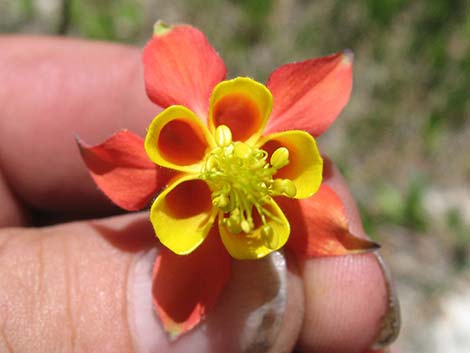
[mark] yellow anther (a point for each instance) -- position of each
(270, 237)
(280, 158)
(241, 150)
(235, 215)
(266, 231)
(232, 225)
(220, 201)
(278, 186)
(257, 164)
(223, 136)
(211, 163)
(289, 187)
(284, 186)
(246, 226)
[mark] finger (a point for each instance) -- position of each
(349, 304)
(385, 350)
(51, 90)
(86, 287)
(13, 212)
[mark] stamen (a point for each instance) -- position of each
(241, 180)
(285, 186)
(223, 136)
(270, 237)
(280, 158)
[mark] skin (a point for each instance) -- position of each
(64, 286)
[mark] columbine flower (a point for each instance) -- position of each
(229, 171)
(230, 178)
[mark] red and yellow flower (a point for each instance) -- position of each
(234, 165)
(229, 171)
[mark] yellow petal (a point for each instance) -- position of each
(305, 163)
(183, 214)
(177, 139)
(243, 105)
(257, 244)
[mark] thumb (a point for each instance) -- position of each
(86, 287)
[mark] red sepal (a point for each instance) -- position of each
(186, 287)
(309, 95)
(181, 67)
(319, 226)
(121, 169)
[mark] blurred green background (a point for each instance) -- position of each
(403, 142)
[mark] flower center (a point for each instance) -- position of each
(241, 180)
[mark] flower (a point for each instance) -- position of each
(221, 150)
(231, 170)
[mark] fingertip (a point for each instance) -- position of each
(251, 315)
(346, 299)
(294, 314)
(346, 296)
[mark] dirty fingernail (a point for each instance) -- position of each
(391, 321)
(246, 318)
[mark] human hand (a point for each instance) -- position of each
(83, 285)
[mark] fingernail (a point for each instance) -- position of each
(144, 327)
(256, 301)
(391, 321)
(247, 317)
